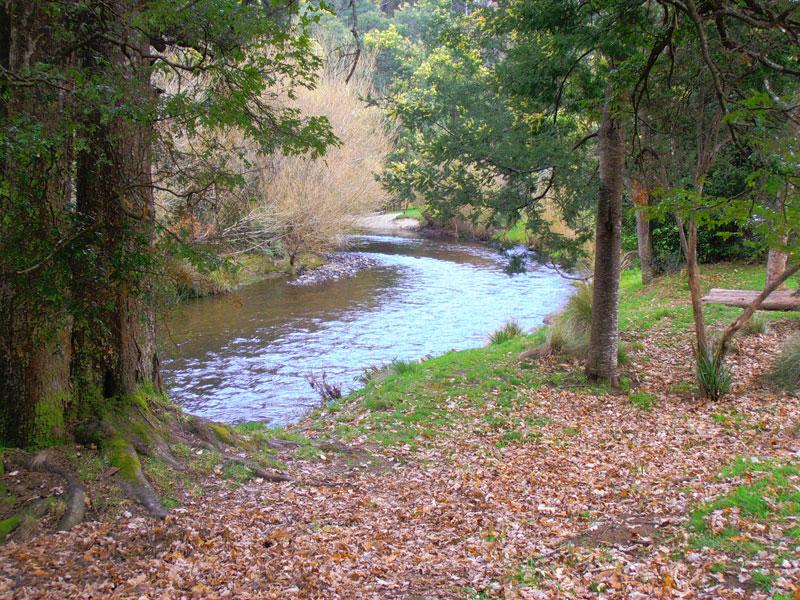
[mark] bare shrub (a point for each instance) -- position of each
(327, 391)
(274, 199)
(313, 200)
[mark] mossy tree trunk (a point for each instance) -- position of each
(34, 326)
(115, 340)
(76, 251)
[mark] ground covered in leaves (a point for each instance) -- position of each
(477, 476)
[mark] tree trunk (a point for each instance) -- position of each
(641, 198)
(115, 344)
(776, 260)
(688, 235)
(34, 327)
(776, 264)
(601, 363)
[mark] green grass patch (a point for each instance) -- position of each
(769, 496)
(425, 398)
(642, 400)
(667, 297)
(412, 212)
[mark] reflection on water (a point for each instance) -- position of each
(246, 355)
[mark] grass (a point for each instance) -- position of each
(412, 212)
(667, 297)
(569, 332)
(767, 497)
(786, 370)
(642, 400)
(418, 402)
(410, 403)
(507, 332)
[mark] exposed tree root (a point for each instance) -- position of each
(23, 523)
(132, 480)
(123, 433)
(75, 497)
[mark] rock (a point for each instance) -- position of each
(339, 266)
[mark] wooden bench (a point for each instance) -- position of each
(777, 300)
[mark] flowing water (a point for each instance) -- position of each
(247, 355)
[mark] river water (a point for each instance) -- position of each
(247, 355)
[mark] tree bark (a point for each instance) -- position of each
(115, 344)
(776, 260)
(776, 264)
(601, 363)
(641, 198)
(34, 327)
(688, 235)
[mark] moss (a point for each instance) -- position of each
(49, 420)
(237, 472)
(223, 433)
(9, 525)
(120, 456)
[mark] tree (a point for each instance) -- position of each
(80, 242)
(729, 71)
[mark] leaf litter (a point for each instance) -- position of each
(577, 494)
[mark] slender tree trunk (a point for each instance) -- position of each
(601, 363)
(641, 198)
(688, 235)
(776, 264)
(776, 260)
(34, 328)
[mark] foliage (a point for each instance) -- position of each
(343, 184)
(713, 377)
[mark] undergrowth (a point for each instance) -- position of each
(785, 373)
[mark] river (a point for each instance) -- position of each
(247, 355)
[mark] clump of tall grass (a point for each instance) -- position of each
(755, 325)
(713, 377)
(507, 332)
(785, 371)
(569, 332)
(396, 366)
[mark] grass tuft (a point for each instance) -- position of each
(569, 332)
(507, 332)
(642, 400)
(713, 378)
(786, 370)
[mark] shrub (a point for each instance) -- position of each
(785, 372)
(713, 377)
(507, 332)
(327, 391)
(755, 325)
(569, 332)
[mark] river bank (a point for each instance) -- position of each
(252, 267)
(476, 475)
